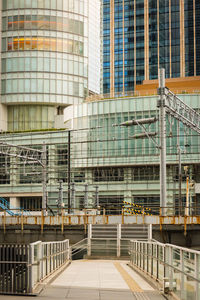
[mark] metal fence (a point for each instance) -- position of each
(176, 268)
(14, 268)
(127, 209)
(23, 267)
(100, 247)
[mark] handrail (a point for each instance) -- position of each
(172, 266)
(116, 209)
(76, 248)
(4, 204)
(45, 258)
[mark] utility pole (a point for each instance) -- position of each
(60, 197)
(73, 196)
(44, 179)
(179, 168)
(69, 171)
(180, 181)
(86, 196)
(97, 195)
(162, 119)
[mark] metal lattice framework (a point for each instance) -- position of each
(181, 111)
(26, 154)
(30, 156)
(171, 104)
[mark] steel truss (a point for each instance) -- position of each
(171, 104)
(26, 154)
(30, 156)
(181, 111)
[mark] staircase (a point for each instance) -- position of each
(104, 231)
(134, 232)
(5, 205)
(113, 241)
(128, 232)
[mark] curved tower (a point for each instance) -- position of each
(44, 60)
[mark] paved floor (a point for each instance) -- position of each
(97, 280)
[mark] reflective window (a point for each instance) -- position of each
(108, 174)
(43, 43)
(76, 6)
(43, 86)
(23, 22)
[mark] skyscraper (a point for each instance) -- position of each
(44, 60)
(94, 46)
(141, 36)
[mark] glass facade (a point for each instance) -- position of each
(76, 6)
(148, 35)
(124, 169)
(112, 159)
(22, 43)
(26, 117)
(23, 22)
(44, 55)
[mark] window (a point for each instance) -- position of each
(108, 174)
(43, 43)
(42, 22)
(150, 204)
(31, 203)
(62, 154)
(79, 176)
(4, 169)
(144, 173)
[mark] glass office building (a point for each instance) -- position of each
(44, 60)
(141, 36)
(103, 155)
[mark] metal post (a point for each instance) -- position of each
(182, 266)
(150, 232)
(97, 195)
(73, 196)
(44, 179)
(118, 240)
(89, 239)
(161, 105)
(30, 269)
(187, 197)
(179, 168)
(197, 284)
(60, 197)
(69, 171)
(180, 181)
(86, 196)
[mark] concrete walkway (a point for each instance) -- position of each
(97, 280)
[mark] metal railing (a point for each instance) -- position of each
(14, 268)
(79, 249)
(23, 267)
(45, 259)
(112, 209)
(102, 247)
(10, 210)
(142, 93)
(105, 215)
(177, 269)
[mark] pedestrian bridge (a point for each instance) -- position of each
(139, 269)
(151, 271)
